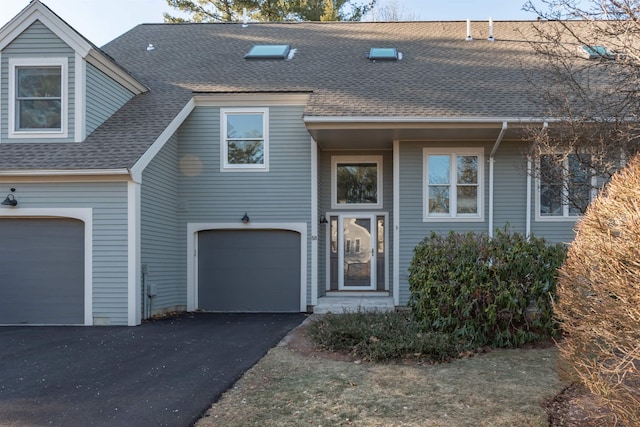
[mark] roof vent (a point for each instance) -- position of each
(490, 38)
(245, 18)
(469, 38)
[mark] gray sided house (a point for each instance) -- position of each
(276, 167)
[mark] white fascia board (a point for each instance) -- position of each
(250, 99)
(115, 72)
(143, 162)
(36, 11)
(64, 172)
(403, 121)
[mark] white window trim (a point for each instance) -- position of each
(453, 216)
(224, 165)
(566, 216)
(335, 160)
(14, 63)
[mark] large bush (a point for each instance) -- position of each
(487, 291)
(599, 297)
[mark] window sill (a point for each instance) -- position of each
(37, 134)
(452, 219)
(572, 218)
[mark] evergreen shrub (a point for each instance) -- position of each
(486, 291)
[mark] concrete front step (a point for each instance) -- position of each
(353, 303)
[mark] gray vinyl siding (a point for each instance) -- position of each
(412, 226)
(110, 242)
(104, 97)
(509, 198)
(510, 187)
(324, 206)
(281, 195)
(37, 41)
(165, 261)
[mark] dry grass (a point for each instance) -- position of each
(291, 388)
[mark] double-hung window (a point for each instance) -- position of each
(245, 139)
(37, 93)
(452, 184)
(356, 182)
(565, 186)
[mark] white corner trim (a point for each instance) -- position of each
(80, 90)
(396, 222)
(133, 254)
(1, 98)
(192, 255)
(145, 159)
(314, 222)
(83, 214)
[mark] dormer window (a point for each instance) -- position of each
(37, 91)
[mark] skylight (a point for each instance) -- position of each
(596, 52)
(268, 51)
(383, 54)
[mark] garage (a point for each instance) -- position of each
(249, 270)
(42, 267)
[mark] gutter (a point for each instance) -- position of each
(496, 145)
(425, 120)
(65, 172)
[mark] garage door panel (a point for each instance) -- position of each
(251, 271)
(42, 271)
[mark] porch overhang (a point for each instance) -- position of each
(380, 132)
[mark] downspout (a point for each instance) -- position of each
(528, 220)
(496, 145)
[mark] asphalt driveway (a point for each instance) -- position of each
(162, 373)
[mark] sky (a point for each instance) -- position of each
(103, 20)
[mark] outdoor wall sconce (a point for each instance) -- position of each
(10, 200)
(245, 218)
(323, 220)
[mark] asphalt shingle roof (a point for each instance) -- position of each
(440, 75)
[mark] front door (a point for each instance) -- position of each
(357, 254)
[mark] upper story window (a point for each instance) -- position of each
(38, 98)
(453, 184)
(245, 141)
(565, 186)
(356, 182)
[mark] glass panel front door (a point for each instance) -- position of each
(357, 237)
